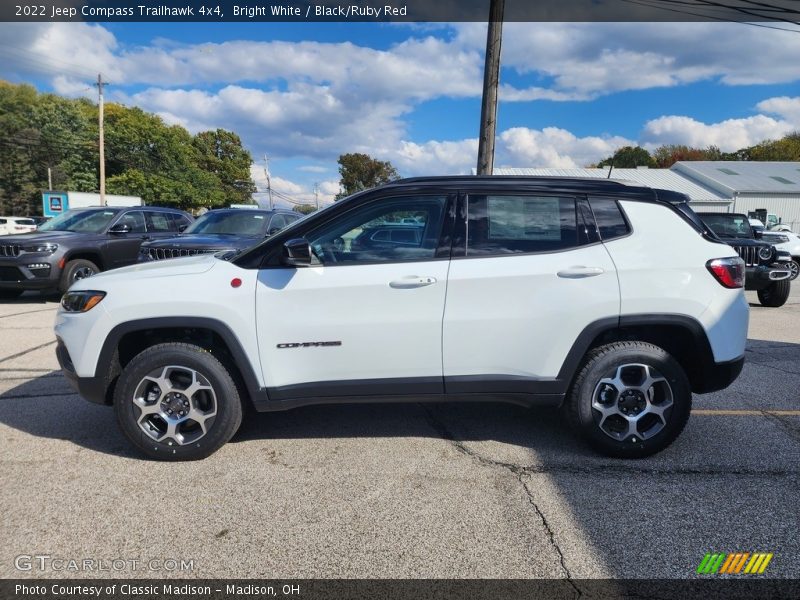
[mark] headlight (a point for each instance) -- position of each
(765, 252)
(81, 301)
(43, 247)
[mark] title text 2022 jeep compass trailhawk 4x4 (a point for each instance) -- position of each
(611, 300)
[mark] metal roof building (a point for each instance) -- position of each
(771, 186)
(702, 196)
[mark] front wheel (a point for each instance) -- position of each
(177, 402)
(75, 270)
(776, 294)
(630, 399)
(794, 267)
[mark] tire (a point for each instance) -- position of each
(595, 412)
(795, 268)
(142, 409)
(776, 294)
(75, 270)
(10, 294)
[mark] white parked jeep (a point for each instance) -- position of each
(611, 300)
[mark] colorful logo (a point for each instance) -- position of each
(738, 563)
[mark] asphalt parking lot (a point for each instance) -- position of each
(413, 491)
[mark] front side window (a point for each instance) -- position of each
(134, 220)
(278, 222)
(499, 225)
(379, 232)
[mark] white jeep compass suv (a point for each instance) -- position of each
(609, 299)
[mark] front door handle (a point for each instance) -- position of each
(414, 281)
(580, 272)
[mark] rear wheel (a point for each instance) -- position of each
(177, 402)
(630, 399)
(776, 294)
(75, 270)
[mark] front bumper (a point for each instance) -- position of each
(762, 276)
(32, 274)
(92, 389)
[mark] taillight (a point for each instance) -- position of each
(728, 271)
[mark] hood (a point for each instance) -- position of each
(205, 242)
(190, 265)
(41, 236)
(744, 242)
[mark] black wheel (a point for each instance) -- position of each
(776, 294)
(629, 400)
(177, 402)
(10, 294)
(75, 270)
(794, 267)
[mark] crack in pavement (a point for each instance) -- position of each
(520, 472)
(551, 536)
(30, 312)
(29, 396)
(28, 351)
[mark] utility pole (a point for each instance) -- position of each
(269, 185)
(49, 179)
(316, 194)
(101, 109)
(491, 81)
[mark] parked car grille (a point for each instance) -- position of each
(749, 254)
(9, 249)
(10, 274)
(162, 253)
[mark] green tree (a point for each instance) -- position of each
(304, 209)
(629, 157)
(784, 149)
(361, 171)
(221, 152)
(668, 155)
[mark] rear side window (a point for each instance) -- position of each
(499, 225)
(158, 222)
(610, 221)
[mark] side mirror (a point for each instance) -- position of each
(758, 234)
(297, 253)
(183, 228)
(120, 228)
(273, 231)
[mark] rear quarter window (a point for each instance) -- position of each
(611, 221)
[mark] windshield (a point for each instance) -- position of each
(729, 226)
(84, 221)
(241, 222)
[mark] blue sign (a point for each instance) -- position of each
(54, 203)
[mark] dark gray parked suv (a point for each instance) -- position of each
(80, 243)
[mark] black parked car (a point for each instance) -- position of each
(766, 268)
(227, 229)
(80, 243)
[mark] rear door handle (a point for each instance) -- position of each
(414, 281)
(580, 272)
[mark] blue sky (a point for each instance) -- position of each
(571, 93)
